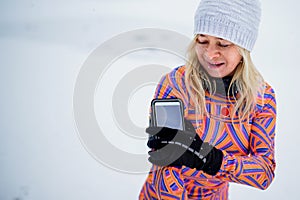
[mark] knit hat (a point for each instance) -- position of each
(234, 20)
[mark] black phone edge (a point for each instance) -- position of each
(153, 119)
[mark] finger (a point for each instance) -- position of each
(155, 142)
(161, 131)
(158, 158)
(188, 125)
(168, 153)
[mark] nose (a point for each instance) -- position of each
(212, 52)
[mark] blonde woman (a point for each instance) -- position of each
(229, 110)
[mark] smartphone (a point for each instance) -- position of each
(167, 113)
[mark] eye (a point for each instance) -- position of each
(224, 45)
(201, 41)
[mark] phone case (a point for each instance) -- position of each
(153, 120)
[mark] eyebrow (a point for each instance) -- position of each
(202, 35)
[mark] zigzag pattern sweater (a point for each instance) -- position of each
(248, 148)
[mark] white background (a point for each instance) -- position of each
(43, 45)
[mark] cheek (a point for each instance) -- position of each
(234, 59)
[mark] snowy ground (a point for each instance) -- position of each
(44, 44)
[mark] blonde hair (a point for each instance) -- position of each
(247, 80)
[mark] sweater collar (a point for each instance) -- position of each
(221, 86)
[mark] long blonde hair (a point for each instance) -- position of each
(247, 80)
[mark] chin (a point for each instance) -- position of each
(217, 75)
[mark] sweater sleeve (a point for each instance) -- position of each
(167, 182)
(172, 85)
(257, 168)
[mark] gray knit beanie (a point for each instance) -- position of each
(234, 20)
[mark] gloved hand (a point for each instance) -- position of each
(172, 147)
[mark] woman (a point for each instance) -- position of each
(231, 108)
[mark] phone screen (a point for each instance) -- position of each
(168, 114)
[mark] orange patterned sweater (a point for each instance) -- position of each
(248, 147)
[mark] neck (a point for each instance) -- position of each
(220, 85)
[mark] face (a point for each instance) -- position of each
(218, 57)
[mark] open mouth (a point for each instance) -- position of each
(215, 65)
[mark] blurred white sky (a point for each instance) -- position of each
(43, 46)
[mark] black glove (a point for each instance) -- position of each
(172, 147)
